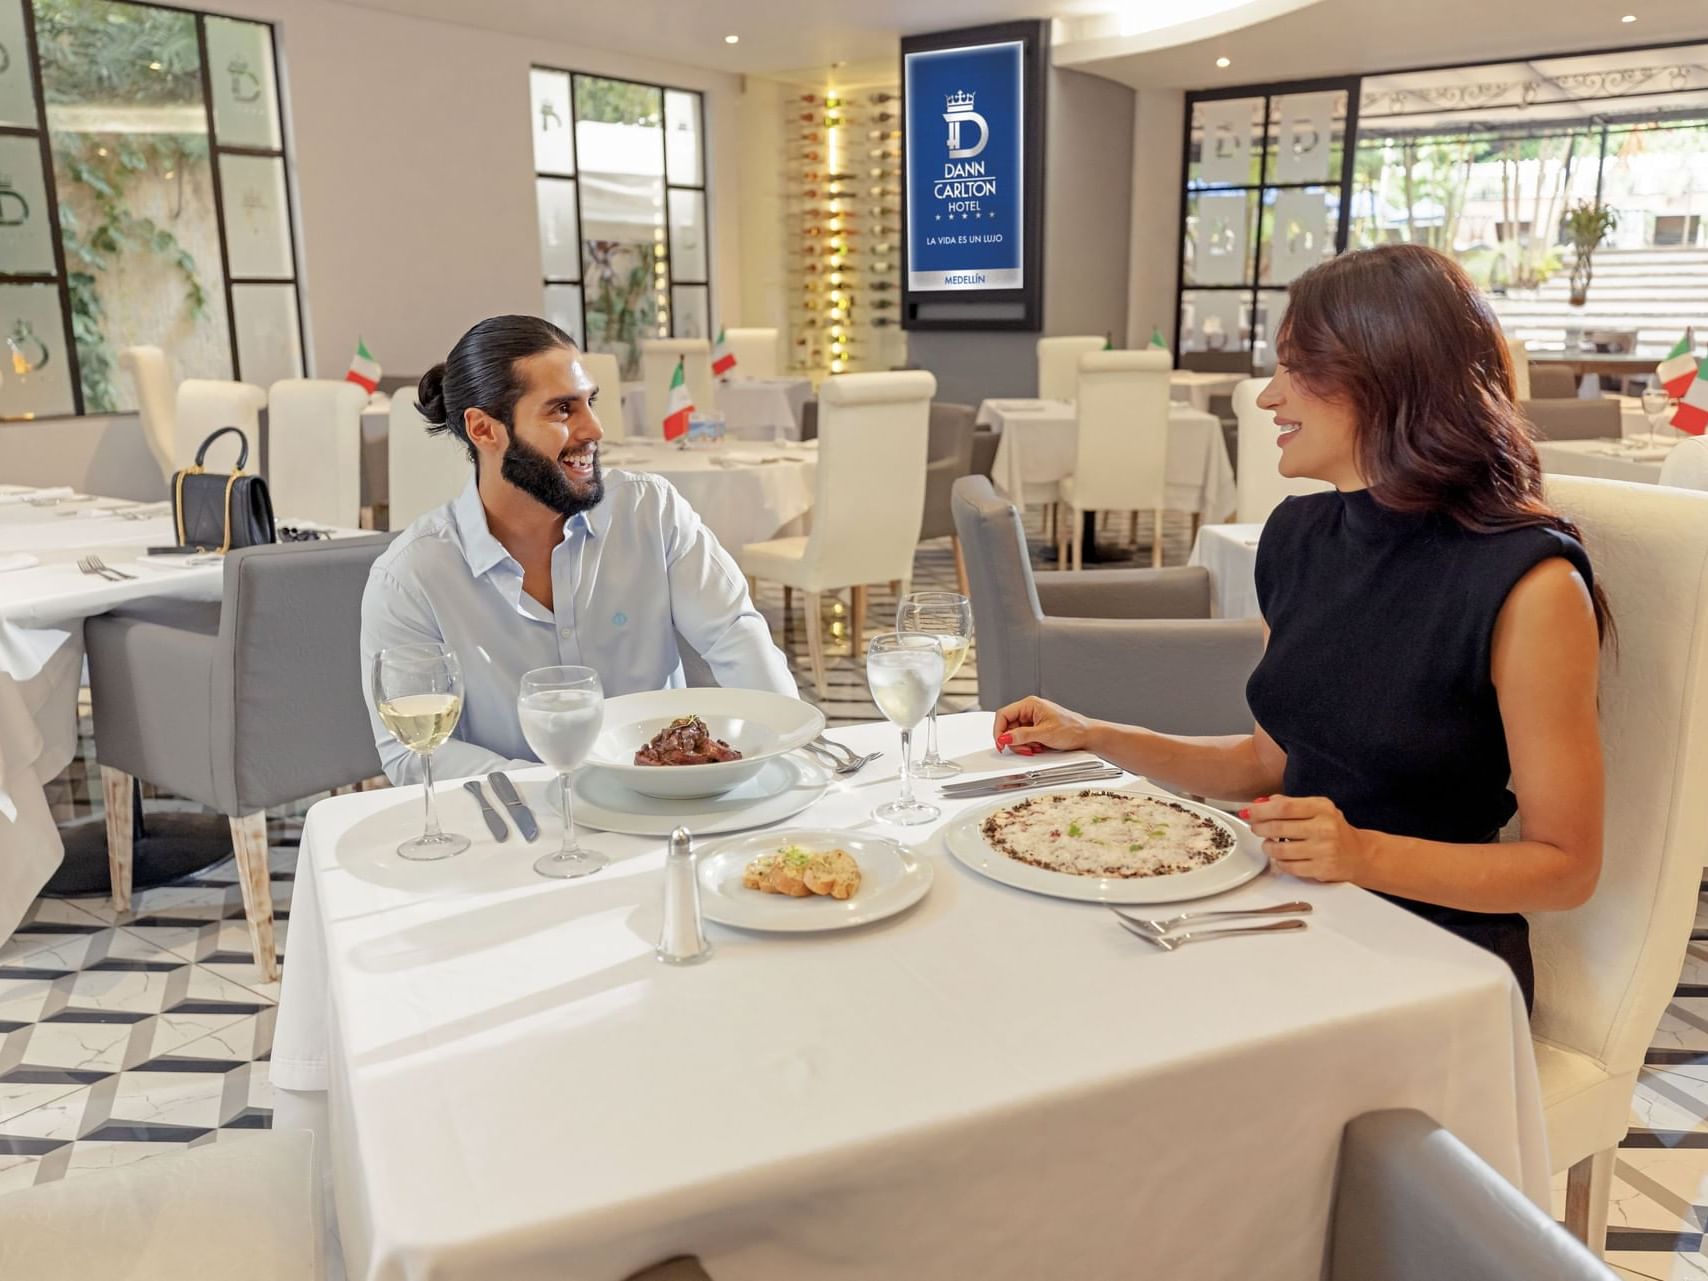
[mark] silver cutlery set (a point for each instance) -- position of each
(99, 568)
(840, 759)
(511, 800)
(1054, 776)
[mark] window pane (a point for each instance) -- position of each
(1271, 306)
(563, 309)
(1298, 232)
(257, 223)
(17, 92)
(618, 128)
(245, 97)
(26, 233)
(1218, 238)
(1213, 320)
(560, 240)
(1227, 136)
(554, 142)
(35, 369)
(688, 308)
(622, 300)
(682, 138)
(269, 344)
(1306, 134)
(687, 235)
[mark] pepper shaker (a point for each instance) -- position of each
(683, 938)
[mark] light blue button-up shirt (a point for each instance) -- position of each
(627, 577)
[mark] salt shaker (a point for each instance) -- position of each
(683, 938)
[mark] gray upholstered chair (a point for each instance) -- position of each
(949, 457)
(1413, 1203)
(1552, 382)
(241, 705)
(1570, 418)
(985, 442)
(1133, 645)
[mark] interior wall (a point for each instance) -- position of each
(1159, 118)
(762, 236)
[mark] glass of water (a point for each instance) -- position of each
(905, 672)
(562, 710)
(949, 617)
(418, 693)
(1657, 407)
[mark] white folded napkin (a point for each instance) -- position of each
(17, 560)
(30, 495)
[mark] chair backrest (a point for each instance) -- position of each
(1572, 419)
(147, 366)
(1006, 609)
(1551, 382)
(658, 362)
(1686, 467)
(755, 352)
(314, 450)
(1519, 350)
(949, 457)
(1261, 484)
(1606, 971)
(1122, 462)
(1216, 362)
(290, 627)
(869, 503)
(607, 375)
(422, 471)
(204, 405)
(1058, 364)
(1413, 1203)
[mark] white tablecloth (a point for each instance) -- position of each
(1600, 458)
(1196, 387)
(992, 1085)
(1229, 552)
(1040, 443)
(753, 409)
(741, 498)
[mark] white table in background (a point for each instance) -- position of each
(1229, 552)
(1603, 459)
(1197, 387)
(763, 408)
(1039, 445)
(992, 1085)
(741, 497)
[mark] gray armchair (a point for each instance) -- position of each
(1127, 645)
(1571, 418)
(949, 456)
(240, 705)
(1413, 1203)
(1552, 382)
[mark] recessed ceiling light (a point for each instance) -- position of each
(732, 39)
(1630, 17)
(1224, 62)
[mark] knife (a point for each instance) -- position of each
(494, 822)
(520, 814)
(1028, 776)
(1022, 784)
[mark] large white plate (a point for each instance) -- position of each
(1246, 860)
(892, 879)
(784, 786)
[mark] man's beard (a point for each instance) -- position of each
(539, 476)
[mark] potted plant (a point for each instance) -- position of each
(1586, 226)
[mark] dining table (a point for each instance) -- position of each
(744, 493)
(1629, 458)
(991, 1083)
(1198, 387)
(1229, 553)
(759, 410)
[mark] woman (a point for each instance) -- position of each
(1433, 627)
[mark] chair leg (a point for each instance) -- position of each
(117, 790)
(1063, 541)
(815, 641)
(1156, 539)
(857, 602)
(788, 600)
(249, 838)
(1077, 519)
(1588, 1186)
(1133, 528)
(960, 565)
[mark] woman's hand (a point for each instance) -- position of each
(1034, 725)
(1308, 836)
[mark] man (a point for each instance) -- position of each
(545, 560)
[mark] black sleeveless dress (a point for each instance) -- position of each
(1376, 681)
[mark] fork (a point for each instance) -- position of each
(1169, 942)
(1168, 923)
(95, 565)
(847, 763)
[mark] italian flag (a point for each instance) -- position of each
(680, 406)
(723, 359)
(1678, 369)
(364, 369)
(1157, 340)
(1692, 413)
(1108, 343)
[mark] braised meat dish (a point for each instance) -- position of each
(685, 741)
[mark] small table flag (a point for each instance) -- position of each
(364, 369)
(1678, 370)
(681, 405)
(723, 359)
(1692, 413)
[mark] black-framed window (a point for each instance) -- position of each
(625, 242)
(144, 200)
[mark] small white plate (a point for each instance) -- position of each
(783, 787)
(892, 879)
(1245, 861)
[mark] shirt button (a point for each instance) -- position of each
(566, 632)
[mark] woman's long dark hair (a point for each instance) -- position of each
(481, 373)
(1401, 335)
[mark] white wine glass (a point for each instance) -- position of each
(1657, 408)
(949, 617)
(905, 672)
(418, 692)
(562, 710)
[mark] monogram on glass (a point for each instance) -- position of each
(905, 673)
(949, 617)
(562, 710)
(418, 693)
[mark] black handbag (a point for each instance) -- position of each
(216, 511)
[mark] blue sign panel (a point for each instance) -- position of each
(965, 167)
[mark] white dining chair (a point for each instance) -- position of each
(1606, 971)
(868, 504)
(1261, 484)
(204, 405)
(658, 362)
(607, 376)
(422, 471)
(314, 450)
(755, 352)
(1519, 350)
(1686, 467)
(1122, 459)
(153, 381)
(1058, 364)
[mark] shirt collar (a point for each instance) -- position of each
(481, 548)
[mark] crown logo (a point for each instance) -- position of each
(961, 101)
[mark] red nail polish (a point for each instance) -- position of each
(1261, 799)
(1245, 813)
(1003, 740)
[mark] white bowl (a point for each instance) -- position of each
(757, 723)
